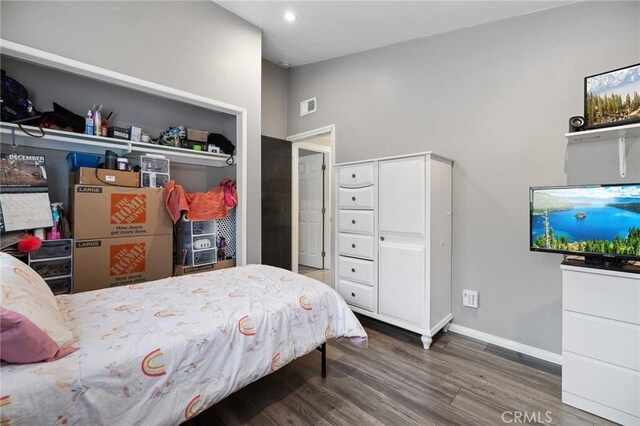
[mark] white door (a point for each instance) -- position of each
(310, 227)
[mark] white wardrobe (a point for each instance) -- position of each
(394, 240)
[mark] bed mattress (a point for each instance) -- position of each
(158, 353)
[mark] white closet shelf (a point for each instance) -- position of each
(78, 142)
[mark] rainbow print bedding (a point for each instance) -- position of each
(160, 352)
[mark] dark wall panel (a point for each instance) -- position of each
(276, 202)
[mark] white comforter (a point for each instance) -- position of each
(158, 353)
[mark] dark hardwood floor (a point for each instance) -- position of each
(459, 381)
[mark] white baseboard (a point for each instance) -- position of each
(508, 344)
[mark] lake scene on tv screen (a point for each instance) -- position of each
(599, 220)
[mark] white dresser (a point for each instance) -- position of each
(394, 240)
(601, 342)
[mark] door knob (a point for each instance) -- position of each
(381, 238)
(353, 246)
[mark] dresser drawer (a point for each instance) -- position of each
(356, 294)
(356, 270)
(52, 268)
(360, 222)
(596, 294)
(356, 176)
(604, 383)
(356, 198)
(603, 339)
(355, 245)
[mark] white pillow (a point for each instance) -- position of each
(26, 293)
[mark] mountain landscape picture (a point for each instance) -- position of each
(599, 220)
(613, 97)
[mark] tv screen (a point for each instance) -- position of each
(601, 220)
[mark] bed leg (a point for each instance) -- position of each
(323, 351)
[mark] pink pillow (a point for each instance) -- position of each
(31, 326)
(22, 342)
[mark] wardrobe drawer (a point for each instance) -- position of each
(356, 270)
(357, 198)
(355, 245)
(360, 222)
(356, 176)
(596, 294)
(604, 383)
(616, 342)
(356, 294)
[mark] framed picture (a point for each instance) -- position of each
(612, 98)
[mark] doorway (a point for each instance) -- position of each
(311, 200)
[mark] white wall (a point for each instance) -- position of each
(496, 98)
(196, 46)
(274, 100)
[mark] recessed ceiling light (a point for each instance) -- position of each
(289, 16)
(285, 64)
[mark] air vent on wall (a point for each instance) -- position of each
(308, 106)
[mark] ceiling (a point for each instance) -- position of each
(328, 29)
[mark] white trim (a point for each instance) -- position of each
(299, 141)
(72, 66)
(508, 344)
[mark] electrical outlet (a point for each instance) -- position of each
(470, 298)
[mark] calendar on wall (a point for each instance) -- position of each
(24, 195)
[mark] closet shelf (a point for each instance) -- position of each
(78, 142)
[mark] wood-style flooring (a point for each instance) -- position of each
(459, 381)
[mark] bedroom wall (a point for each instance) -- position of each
(495, 98)
(274, 100)
(217, 55)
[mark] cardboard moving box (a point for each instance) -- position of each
(179, 270)
(110, 262)
(102, 177)
(113, 211)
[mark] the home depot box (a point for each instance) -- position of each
(90, 176)
(111, 262)
(112, 211)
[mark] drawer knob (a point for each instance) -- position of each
(353, 198)
(353, 294)
(353, 221)
(353, 246)
(381, 238)
(353, 176)
(353, 270)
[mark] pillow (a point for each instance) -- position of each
(31, 326)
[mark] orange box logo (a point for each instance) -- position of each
(128, 208)
(127, 259)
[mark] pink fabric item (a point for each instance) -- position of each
(22, 342)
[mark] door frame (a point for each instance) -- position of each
(301, 141)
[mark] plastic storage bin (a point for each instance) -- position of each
(78, 159)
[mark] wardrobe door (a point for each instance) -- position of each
(402, 192)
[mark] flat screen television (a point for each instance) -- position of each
(600, 222)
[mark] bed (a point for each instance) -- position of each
(163, 351)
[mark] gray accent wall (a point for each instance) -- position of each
(196, 46)
(495, 98)
(274, 100)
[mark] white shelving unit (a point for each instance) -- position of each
(67, 141)
(619, 133)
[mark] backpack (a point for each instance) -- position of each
(16, 105)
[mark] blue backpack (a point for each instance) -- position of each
(16, 105)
